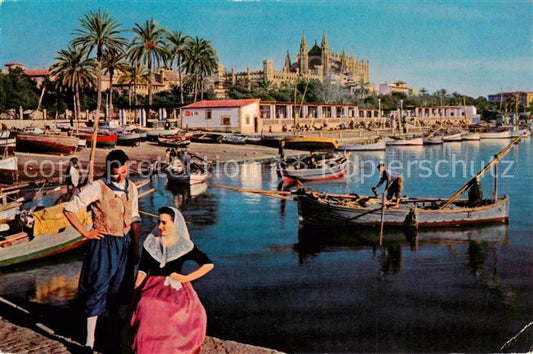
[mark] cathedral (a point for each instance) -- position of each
(318, 63)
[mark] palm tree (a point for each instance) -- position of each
(135, 74)
(362, 88)
(113, 61)
(148, 47)
(98, 32)
(73, 70)
(177, 44)
(200, 59)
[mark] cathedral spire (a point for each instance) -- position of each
(324, 41)
(287, 66)
(303, 63)
(303, 43)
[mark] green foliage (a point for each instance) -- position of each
(17, 90)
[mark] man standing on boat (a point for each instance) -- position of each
(115, 214)
(394, 185)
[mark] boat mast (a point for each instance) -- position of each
(480, 174)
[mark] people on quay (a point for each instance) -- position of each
(394, 183)
(113, 239)
(73, 176)
(169, 316)
(281, 150)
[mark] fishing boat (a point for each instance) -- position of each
(452, 137)
(107, 141)
(270, 141)
(46, 144)
(48, 234)
(471, 136)
(177, 173)
(154, 133)
(377, 146)
(174, 141)
(405, 141)
(432, 141)
(310, 143)
(326, 208)
(504, 134)
(524, 133)
(207, 138)
(326, 169)
(129, 138)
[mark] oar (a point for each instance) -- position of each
(382, 218)
(145, 193)
(267, 193)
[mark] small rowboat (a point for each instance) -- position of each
(176, 173)
(326, 170)
(9, 168)
(432, 141)
(108, 141)
(175, 142)
(506, 134)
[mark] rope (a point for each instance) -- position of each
(516, 336)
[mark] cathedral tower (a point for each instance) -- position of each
(303, 60)
(325, 54)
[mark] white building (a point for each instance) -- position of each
(240, 116)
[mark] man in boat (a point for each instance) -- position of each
(312, 163)
(475, 194)
(394, 185)
(113, 240)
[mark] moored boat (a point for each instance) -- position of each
(452, 137)
(326, 169)
(46, 144)
(524, 133)
(405, 141)
(234, 139)
(432, 141)
(470, 136)
(505, 134)
(378, 146)
(9, 168)
(107, 141)
(311, 143)
(207, 138)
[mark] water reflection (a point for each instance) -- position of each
(482, 243)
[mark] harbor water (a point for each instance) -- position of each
(299, 289)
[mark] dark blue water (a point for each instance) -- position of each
(316, 290)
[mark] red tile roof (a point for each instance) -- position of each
(37, 72)
(222, 103)
(14, 64)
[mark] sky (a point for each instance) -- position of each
(471, 47)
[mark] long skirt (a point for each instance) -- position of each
(167, 320)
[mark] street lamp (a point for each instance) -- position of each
(379, 107)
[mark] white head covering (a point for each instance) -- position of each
(164, 254)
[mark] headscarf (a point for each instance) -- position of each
(164, 254)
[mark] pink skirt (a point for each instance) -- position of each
(167, 320)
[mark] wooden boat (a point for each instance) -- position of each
(46, 144)
(129, 138)
(322, 209)
(107, 141)
(9, 168)
(505, 134)
(176, 173)
(311, 143)
(470, 136)
(270, 141)
(38, 242)
(327, 169)
(326, 208)
(524, 133)
(207, 138)
(234, 139)
(174, 141)
(432, 141)
(154, 133)
(405, 141)
(452, 137)
(379, 146)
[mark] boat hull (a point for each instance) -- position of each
(41, 246)
(405, 142)
(363, 147)
(332, 170)
(188, 179)
(9, 169)
(496, 135)
(46, 144)
(471, 137)
(317, 211)
(302, 143)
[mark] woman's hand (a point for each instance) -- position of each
(198, 273)
(140, 278)
(180, 277)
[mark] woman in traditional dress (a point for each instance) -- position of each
(169, 317)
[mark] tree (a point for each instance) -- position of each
(148, 47)
(73, 71)
(134, 75)
(200, 59)
(362, 88)
(17, 90)
(98, 32)
(177, 45)
(112, 62)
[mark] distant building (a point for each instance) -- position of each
(318, 63)
(222, 115)
(526, 97)
(37, 75)
(398, 86)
